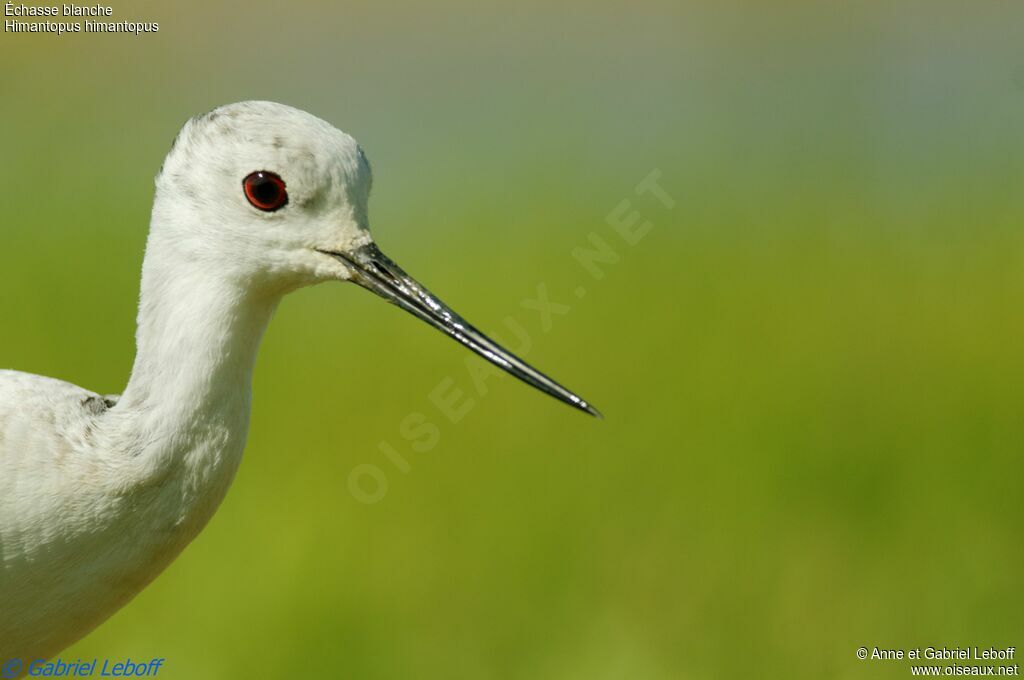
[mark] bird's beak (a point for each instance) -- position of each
(374, 271)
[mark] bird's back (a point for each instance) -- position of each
(45, 452)
(43, 423)
(92, 510)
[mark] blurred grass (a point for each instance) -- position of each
(810, 366)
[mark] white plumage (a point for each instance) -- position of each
(99, 494)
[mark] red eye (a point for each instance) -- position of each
(265, 191)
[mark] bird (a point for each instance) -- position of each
(100, 493)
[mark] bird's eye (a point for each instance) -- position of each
(265, 191)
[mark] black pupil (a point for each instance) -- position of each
(265, 190)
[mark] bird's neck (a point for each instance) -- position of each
(187, 402)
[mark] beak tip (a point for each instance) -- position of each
(591, 410)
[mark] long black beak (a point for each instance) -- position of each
(374, 271)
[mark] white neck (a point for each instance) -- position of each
(187, 403)
(151, 471)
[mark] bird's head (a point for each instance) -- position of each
(273, 198)
(273, 186)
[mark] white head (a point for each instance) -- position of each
(270, 198)
(203, 210)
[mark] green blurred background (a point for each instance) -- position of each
(811, 365)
